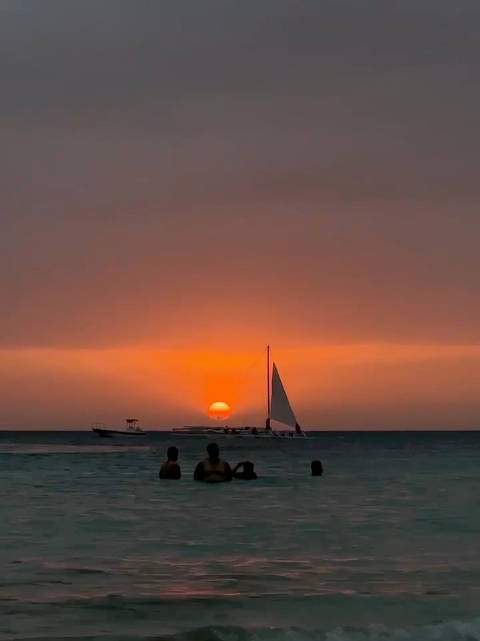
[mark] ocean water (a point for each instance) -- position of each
(385, 546)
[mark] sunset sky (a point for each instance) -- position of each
(182, 182)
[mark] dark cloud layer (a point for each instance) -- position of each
(313, 156)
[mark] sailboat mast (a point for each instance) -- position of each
(268, 384)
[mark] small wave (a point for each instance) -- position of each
(447, 631)
(49, 449)
(72, 569)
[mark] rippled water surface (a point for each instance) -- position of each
(386, 545)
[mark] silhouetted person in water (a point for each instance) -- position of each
(317, 468)
(248, 473)
(171, 469)
(213, 469)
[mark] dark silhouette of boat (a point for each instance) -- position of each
(131, 431)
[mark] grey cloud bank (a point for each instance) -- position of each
(334, 145)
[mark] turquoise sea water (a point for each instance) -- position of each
(386, 545)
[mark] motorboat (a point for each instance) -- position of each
(132, 430)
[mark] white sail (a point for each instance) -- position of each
(281, 409)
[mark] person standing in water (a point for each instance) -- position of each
(248, 473)
(213, 469)
(317, 468)
(171, 469)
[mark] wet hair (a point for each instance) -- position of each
(172, 453)
(248, 467)
(317, 468)
(213, 450)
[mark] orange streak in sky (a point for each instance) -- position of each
(347, 385)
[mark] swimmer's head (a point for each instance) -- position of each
(248, 467)
(172, 453)
(317, 468)
(213, 451)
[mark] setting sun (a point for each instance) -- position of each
(219, 410)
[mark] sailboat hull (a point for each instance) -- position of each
(238, 432)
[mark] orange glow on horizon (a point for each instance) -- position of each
(352, 386)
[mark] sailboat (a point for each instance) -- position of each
(278, 406)
(278, 410)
